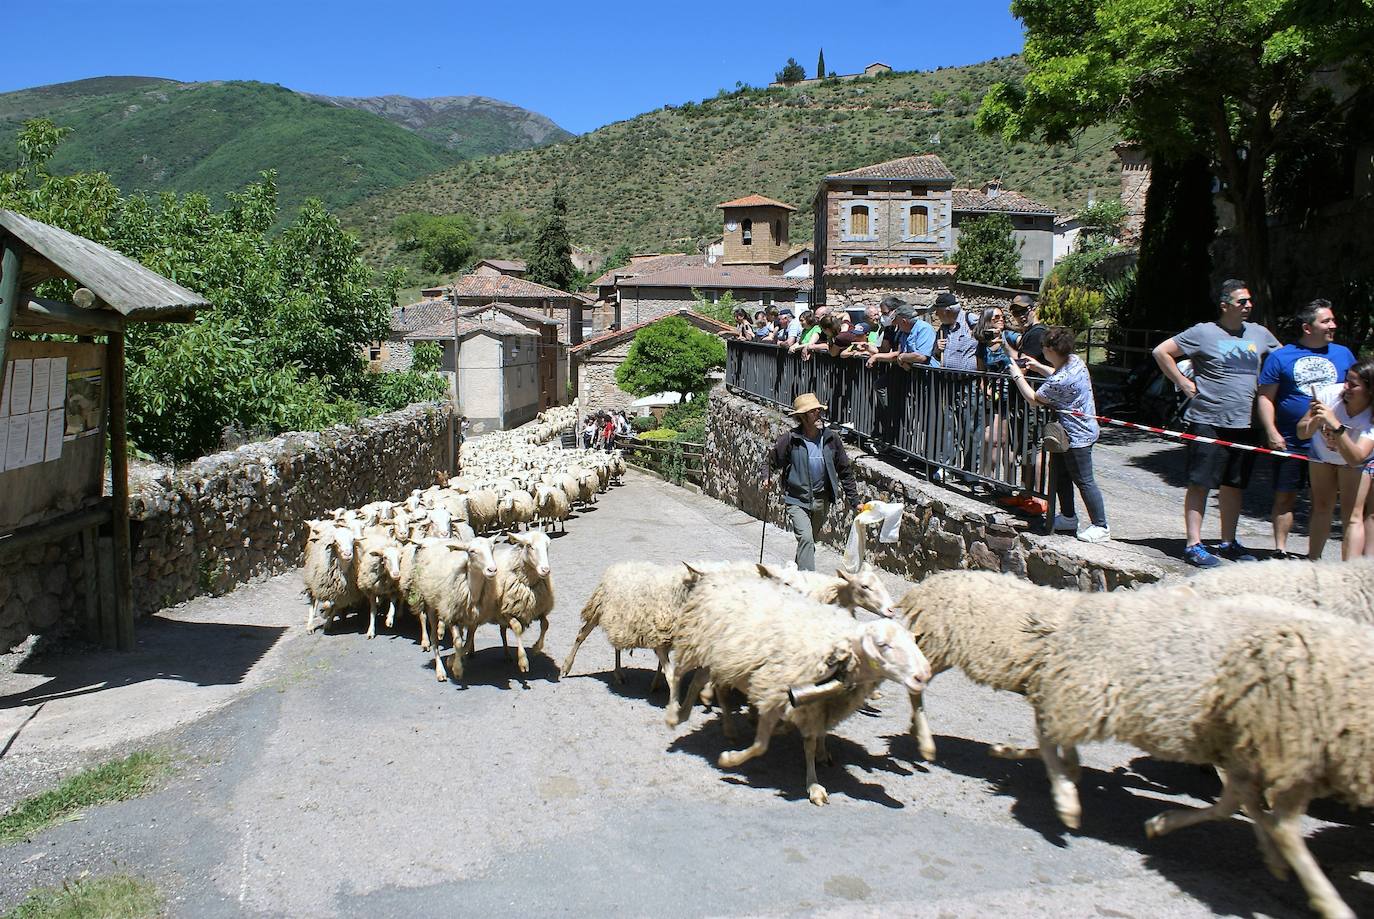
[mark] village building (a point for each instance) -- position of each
(596, 360)
(497, 363)
(894, 225)
(872, 70)
(494, 267)
(475, 289)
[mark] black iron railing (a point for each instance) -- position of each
(975, 427)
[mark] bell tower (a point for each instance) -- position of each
(756, 233)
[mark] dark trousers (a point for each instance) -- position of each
(1075, 468)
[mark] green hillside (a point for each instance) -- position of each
(653, 181)
(215, 137)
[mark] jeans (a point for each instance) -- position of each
(1076, 468)
(806, 525)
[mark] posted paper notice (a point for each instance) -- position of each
(38, 431)
(57, 383)
(22, 383)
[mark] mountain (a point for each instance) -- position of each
(470, 126)
(152, 135)
(653, 181)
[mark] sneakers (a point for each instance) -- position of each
(1095, 533)
(1064, 524)
(1198, 556)
(1234, 551)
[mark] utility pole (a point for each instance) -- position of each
(455, 435)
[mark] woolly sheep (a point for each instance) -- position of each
(754, 636)
(514, 509)
(551, 505)
(449, 575)
(1344, 589)
(328, 572)
(377, 571)
(851, 590)
(482, 513)
(520, 593)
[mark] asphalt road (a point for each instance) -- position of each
(327, 775)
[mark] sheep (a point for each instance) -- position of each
(1344, 589)
(328, 572)
(377, 571)
(761, 639)
(449, 575)
(618, 467)
(568, 482)
(586, 485)
(515, 508)
(520, 593)
(852, 590)
(482, 509)
(552, 505)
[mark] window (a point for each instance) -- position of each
(766, 299)
(860, 190)
(919, 191)
(374, 352)
(858, 220)
(777, 232)
(858, 260)
(918, 220)
(1040, 268)
(917, 261)
(747, 231)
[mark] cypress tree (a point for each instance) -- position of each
(820, 66)
(550, 256)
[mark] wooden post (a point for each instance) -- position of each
(9, 292)
(119, 486)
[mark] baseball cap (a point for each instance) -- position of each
(905, 311)
(946, 300)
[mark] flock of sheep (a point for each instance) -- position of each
(1259, 670)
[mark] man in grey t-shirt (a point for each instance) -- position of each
(1226, 356)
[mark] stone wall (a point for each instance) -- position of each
(597, 389)
(230, 517)
(941, 529)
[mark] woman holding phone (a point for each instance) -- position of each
(1341, 425)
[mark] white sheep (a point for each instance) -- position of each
(377, 571)
(1344, 589)
(482, 509)
(852, 590)
(515, 508)
(551, 506)
(449, 575)
(762, 639)
(520, 593)
(328, 572)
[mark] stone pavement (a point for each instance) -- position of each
(329, 775)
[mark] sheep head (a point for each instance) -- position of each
(866, 590)
(481, 556)
(885, 646)
(534, 546)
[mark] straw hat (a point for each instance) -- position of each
(805, 403)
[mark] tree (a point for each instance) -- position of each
(619, 257)
(447, 242)
(723, 310)
(792, 72)
(988, 253)
(1229, 79)
(671, 355)
(1173, 279)
(550, 256)
(820, 65)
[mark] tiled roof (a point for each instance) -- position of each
(889, 271)
(1004, 202)
(503, 287)
(414, 316)
(796, 250)
(505, 264)
(926, 166)
(509, 310)
(756, 201)
(443, 331)
(714, 277)
(611, 339)
(646, 265)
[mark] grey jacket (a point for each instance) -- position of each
(789, 455)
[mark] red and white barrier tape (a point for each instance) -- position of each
(1194, 437)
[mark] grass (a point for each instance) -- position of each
(115, 896)
(115, 780)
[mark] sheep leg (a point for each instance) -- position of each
(619, 677)
(762, 735)
(422, 615)
(683, 710)
(1178, 818)
(371, 616)
(455, 663)
(1254, 809)
(1284, 825)
(665, 667)
(438, 648)
(727, 724)
(391, 615)
(815, 791)
(920, 727)
(543, 630)
(521, 660)
(505, 643)
(1062, 787)
(822, 754)
(310, 616)
(582, 634)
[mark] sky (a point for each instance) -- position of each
(582, 64)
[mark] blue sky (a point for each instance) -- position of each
(582, 64)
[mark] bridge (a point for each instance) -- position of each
(329, 775)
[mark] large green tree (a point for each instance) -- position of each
(791, 72)
(672, 355)
(549, 259)
(1231, 79)
(987, 252)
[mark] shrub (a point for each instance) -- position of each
(659, 434)
(693, 431)
(684, 414)
(644, 423)
(1067, 305)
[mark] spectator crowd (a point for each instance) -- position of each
(1310, 398)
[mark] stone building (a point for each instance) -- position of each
(642, 298)
(595, 361)
(906, 213)
(757, 234)
(496, 267)
(395, 352)
(497, 363)
(1135, 184)
(480, 289)
(553, 353)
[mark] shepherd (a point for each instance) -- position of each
(814, 471)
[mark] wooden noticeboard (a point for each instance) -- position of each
(53, 401)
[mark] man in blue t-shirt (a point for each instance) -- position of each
(1285, 391)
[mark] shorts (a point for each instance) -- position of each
(1290, 475)
(1212, 465)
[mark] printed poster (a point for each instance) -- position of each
(22, 383)
(83, 403)
(38, 431)
(16, 442)
(57, 382)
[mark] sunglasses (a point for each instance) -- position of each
(1244, 300)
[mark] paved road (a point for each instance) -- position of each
(329, 775)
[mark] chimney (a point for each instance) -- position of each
(993, 188)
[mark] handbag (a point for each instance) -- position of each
(1055, 439)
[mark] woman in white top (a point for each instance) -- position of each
(1341, 425)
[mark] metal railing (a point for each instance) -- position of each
(974, 426)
